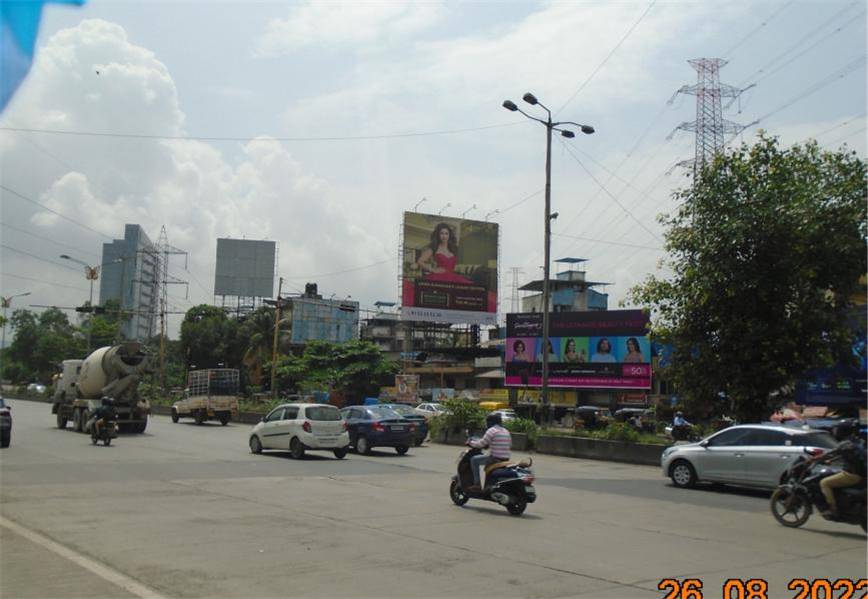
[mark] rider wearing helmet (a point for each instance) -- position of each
(498, 440)
(105, 410)
(851, 452)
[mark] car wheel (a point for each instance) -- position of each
(61, 419)
(362, 446)
(418, 442)
(5, 437)
(683, 475)
(341, 453)
(790, 509)
(457, 494)
(517, 508)
(255, 445)
(402, 449)
(175, 416)
(296, 448)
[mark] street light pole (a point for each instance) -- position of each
(91, 273)
(550, 126)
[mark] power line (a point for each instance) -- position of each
(754, 31)
(48, 239)
(340, 272)
(847, 136)
(608, 56)
(259, 139)
(44, 207)
(39, 258)
(629, 245)
(52, 283)
(522, 201)
(838, 126)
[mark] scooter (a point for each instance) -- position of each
(509, 484)
(108, 430)
(793, 501)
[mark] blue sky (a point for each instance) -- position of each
(254, 71)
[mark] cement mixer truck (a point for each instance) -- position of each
(107, 372)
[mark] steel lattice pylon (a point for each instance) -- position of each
(709, 126)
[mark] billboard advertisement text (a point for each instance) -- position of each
(591, 350)
(449, 270)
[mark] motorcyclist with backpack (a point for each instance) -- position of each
(851, 453)
(499, 442)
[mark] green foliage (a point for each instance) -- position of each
(525, 426)
(209, 338)
(766, 250)
(41, 342)
(463, 414)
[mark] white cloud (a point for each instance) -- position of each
(346, 24)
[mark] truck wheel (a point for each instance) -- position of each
(224, 419)
(76, 421)
(199, 416)
(85, 416)
(5, 437)
(175, 416)
(61, 419)
(140, 427)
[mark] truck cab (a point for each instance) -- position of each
(211, 394)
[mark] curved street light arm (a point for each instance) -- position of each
(533, 118)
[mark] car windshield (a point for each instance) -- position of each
(384, 412)
(817, 439)
(322, 413)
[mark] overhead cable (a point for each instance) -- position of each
(61, 215)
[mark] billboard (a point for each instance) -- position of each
(449, 270)
(590, 350)
(407, 388)
(245, 268)
(324, 320)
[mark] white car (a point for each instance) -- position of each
(506, 415)
(430, 409)
(751, 455)
(298, 427)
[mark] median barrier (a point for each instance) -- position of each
(600, 449)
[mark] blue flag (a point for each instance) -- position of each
(19, 26)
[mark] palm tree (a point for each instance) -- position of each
(258, 330)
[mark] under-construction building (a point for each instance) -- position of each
(130, 276)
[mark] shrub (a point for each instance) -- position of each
(463, 414)
(525, 426)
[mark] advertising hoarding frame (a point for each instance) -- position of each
(245, 267)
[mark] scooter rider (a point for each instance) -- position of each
(499, 442)
(851, 451)
(103, 411)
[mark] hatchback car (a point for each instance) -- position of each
(430, 409)
(378, 426)
(410, 414)
(298, 427)
(5, 424)
(751, 455)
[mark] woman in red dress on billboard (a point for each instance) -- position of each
(439, 259)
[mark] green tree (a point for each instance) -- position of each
(208, 337)
(41, 342)
(765, 250)
(106, 327)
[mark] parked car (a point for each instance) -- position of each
(752, 455)
(430, 409)
(506, 415)
(412, 415)
(36, 388)
(299, 427)
(377, 426)
(5, 423)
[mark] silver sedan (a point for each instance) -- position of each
(752, 455)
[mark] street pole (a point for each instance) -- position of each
(6, 302)
(546, 274)
(274, 343)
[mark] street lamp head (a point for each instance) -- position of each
(529, 98)
(568, 134)
(65, 257)
(587, 129)
(510, 105)
(554, 215)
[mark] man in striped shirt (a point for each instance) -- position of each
(498, 440)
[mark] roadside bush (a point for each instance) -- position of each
(617, 431)
(525, 426)
(463, 414)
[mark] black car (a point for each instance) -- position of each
(378, 426)
(5, 423)
(413, 416)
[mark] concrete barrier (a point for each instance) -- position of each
(599, 449)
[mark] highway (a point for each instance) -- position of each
(188, 511)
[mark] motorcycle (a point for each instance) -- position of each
(682, 432)
(108, 430)
(510, 485)
(792, 502)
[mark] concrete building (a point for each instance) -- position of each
(570, 291)
(129, 276)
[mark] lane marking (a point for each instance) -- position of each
(101, 570)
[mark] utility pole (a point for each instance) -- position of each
(274, 343)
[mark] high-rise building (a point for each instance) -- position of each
(130, 276)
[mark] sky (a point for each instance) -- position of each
(317, 124)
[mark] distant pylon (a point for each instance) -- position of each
(709, 126)
(515, 272)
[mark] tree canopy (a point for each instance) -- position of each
(766, 251)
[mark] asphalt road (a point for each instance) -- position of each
(187, 511)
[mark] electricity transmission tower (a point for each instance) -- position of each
(515, 304)
(163, 279)
(710, 126)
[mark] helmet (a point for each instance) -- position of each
(493, 419)
(107, 401)
(845, 429)
(679, 413)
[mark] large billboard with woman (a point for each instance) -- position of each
(591, 350)
(449, 270)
